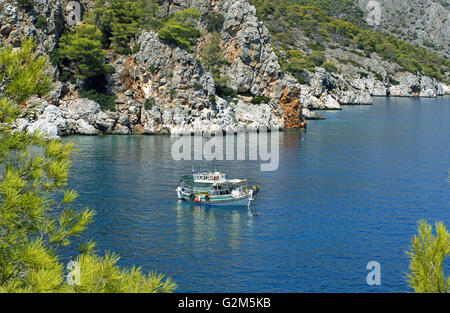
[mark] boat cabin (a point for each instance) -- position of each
(214, 184)
(209, 178)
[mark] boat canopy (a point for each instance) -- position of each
(193, 181)
(209, 177)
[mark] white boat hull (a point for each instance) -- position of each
(243, 200)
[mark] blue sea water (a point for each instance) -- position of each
(348, 191)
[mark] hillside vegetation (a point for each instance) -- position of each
(318, 21)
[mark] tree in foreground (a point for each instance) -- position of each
(427, 254)
(36, 214)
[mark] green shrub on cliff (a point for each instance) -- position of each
(330, 67)
(81, 53)
(180, 29)
(211, 53)
(25, 4)
(106, 100)
(120, 20)
(41, 22)
(214, 21)
(295, 62)
(260, 99)
(212, 59)
(37, 214)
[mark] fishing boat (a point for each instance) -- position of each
(213, 188)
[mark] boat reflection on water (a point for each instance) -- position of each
(202, 224)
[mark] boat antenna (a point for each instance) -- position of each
(193, 168)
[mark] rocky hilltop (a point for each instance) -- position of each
(424, 22)
(341, 56)
(161, 88)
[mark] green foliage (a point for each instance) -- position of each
(350, 61)
(342, 9)
(222, 90)
(214, 21)
(324, 34)
(41, 22)
(342, 28)
(149, 103)
(211, 54)
(379, 77)
(260, 99)
(212, 59)
(25, 4)
(106, 101)
(82, 52)
(411, 58)
(393, 81)
(102, 275)
(330, 67)
(37, 217)
(296, 62)
(172, 93)
(120, 20)
(363, 74)
(20, 73)
(343, 21)
(180, 29)
(427, 254)
(315, 47)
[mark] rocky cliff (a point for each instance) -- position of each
(163, 89)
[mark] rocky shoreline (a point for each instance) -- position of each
(332, 91)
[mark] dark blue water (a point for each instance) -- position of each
(348, 191)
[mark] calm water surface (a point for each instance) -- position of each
(348, 191)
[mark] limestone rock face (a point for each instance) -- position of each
(180, 94)
(312, 115)
(445, 89)
(329, 91)
(44, 127)
(410, 85)
(412, 20)
(254, 67)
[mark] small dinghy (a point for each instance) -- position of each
(213, 188)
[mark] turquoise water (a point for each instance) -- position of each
(349, 190)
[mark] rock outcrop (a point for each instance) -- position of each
(410, 85)
(329, 91)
